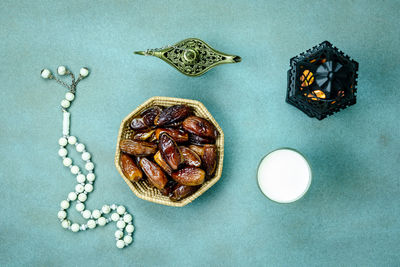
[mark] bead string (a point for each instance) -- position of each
(85, 178)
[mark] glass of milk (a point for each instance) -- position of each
(284, 175)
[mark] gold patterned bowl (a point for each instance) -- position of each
(142, 189)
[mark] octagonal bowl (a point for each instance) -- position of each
(143, 189)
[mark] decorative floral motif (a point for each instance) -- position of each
(192, 56)
(205, 57)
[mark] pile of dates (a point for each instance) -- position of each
(172, 148)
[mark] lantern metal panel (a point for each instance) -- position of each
(322, 81)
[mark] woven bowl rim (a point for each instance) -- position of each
(153, 194)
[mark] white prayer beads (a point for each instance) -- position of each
(85, 181)
(61, 70)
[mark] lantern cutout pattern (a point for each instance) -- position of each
(322, 81)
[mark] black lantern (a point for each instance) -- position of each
(322, 81)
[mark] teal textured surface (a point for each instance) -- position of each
(350, 215)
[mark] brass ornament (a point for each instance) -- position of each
(192, 57)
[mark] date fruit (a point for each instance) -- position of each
(177, 124)
(138, 124)
(172, 114)
(190, 157)
(170, 151)
(198, 149)
(189, 176)
(154, 173)
(129, 168)
(138, 148)
(210, 159)
(150, 114)
(179, 136)
(169, 187)
(198, 140)
(161, 162)
(143, 136)
(181, 191)
(200, 127)
(171, 148)
(208, 155)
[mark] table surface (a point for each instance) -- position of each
(350, 216)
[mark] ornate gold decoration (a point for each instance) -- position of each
(192, 57)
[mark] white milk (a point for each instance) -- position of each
(284, 175)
